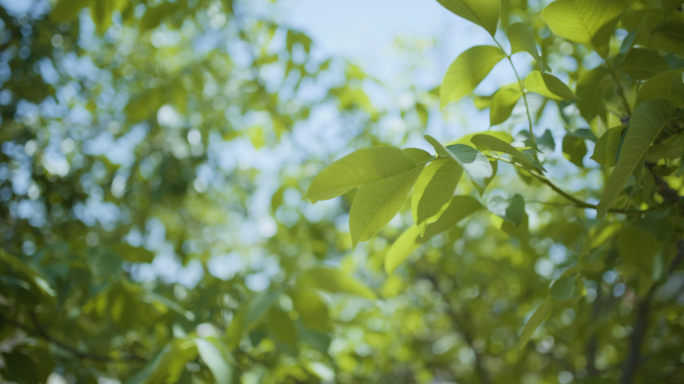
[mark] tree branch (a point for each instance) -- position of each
(461, 324)
(40, 332)
(640, 326)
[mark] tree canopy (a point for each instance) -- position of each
(159, 161)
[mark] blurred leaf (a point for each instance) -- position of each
(312, 309)
(333, 280)
(522, 40)
(533, 323)
(503, 102)
(606, 149)
(574, 149)
(590, 93)
(215, 357)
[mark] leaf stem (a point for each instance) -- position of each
(524, 94)
(575, 201)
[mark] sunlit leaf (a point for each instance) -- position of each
(484, 13)
(376, 203)
(434, 188)
(521, 38)
(486, 142)
(646, 123)
(467, 71)
(503, 102)
(360, 167)
(459, 208)
(547, 85)
(588, 22)
(216, 359)
(564, 288)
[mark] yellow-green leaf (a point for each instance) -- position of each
(645, 125)
(485, 142)
(312, 309)
(548, 85)
(361, 167)
(503, 102)
(521, 38)
(216, 359)
(459, 208)
(434, 188)
(588, 22)
(467, 71)
(471, 160)
(333, 280)
(533, 323)
(484, 13)
(378, 202)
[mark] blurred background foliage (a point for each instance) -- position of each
(154, 155)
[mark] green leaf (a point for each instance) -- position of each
(360, 167)
(435, 188)
(471, 160)
(503, 102)
(670, 6)
(515, 212)
(133, 254)
(282, 326)
(67, 10)
(677, 86)
(548, 85)
(377, 203)
(546, 143)
(564, 288)
(277, 199)
(459, 208)
(486, 142)
(333, 280)
(484, 13)
(503, 136)
(258, 306)
(156, 368)
(590, 89)
(638, 249)
(216, 359)
(574, 149)
(312, 309)
(645, 125)
(606, 149)
(533, 323)
(521, 38)
(588, 22)
(467, 71)
(660, 86)
(475, 164)
(642, 64)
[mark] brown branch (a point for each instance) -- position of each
(40, 332)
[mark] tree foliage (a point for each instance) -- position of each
(156, 155)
